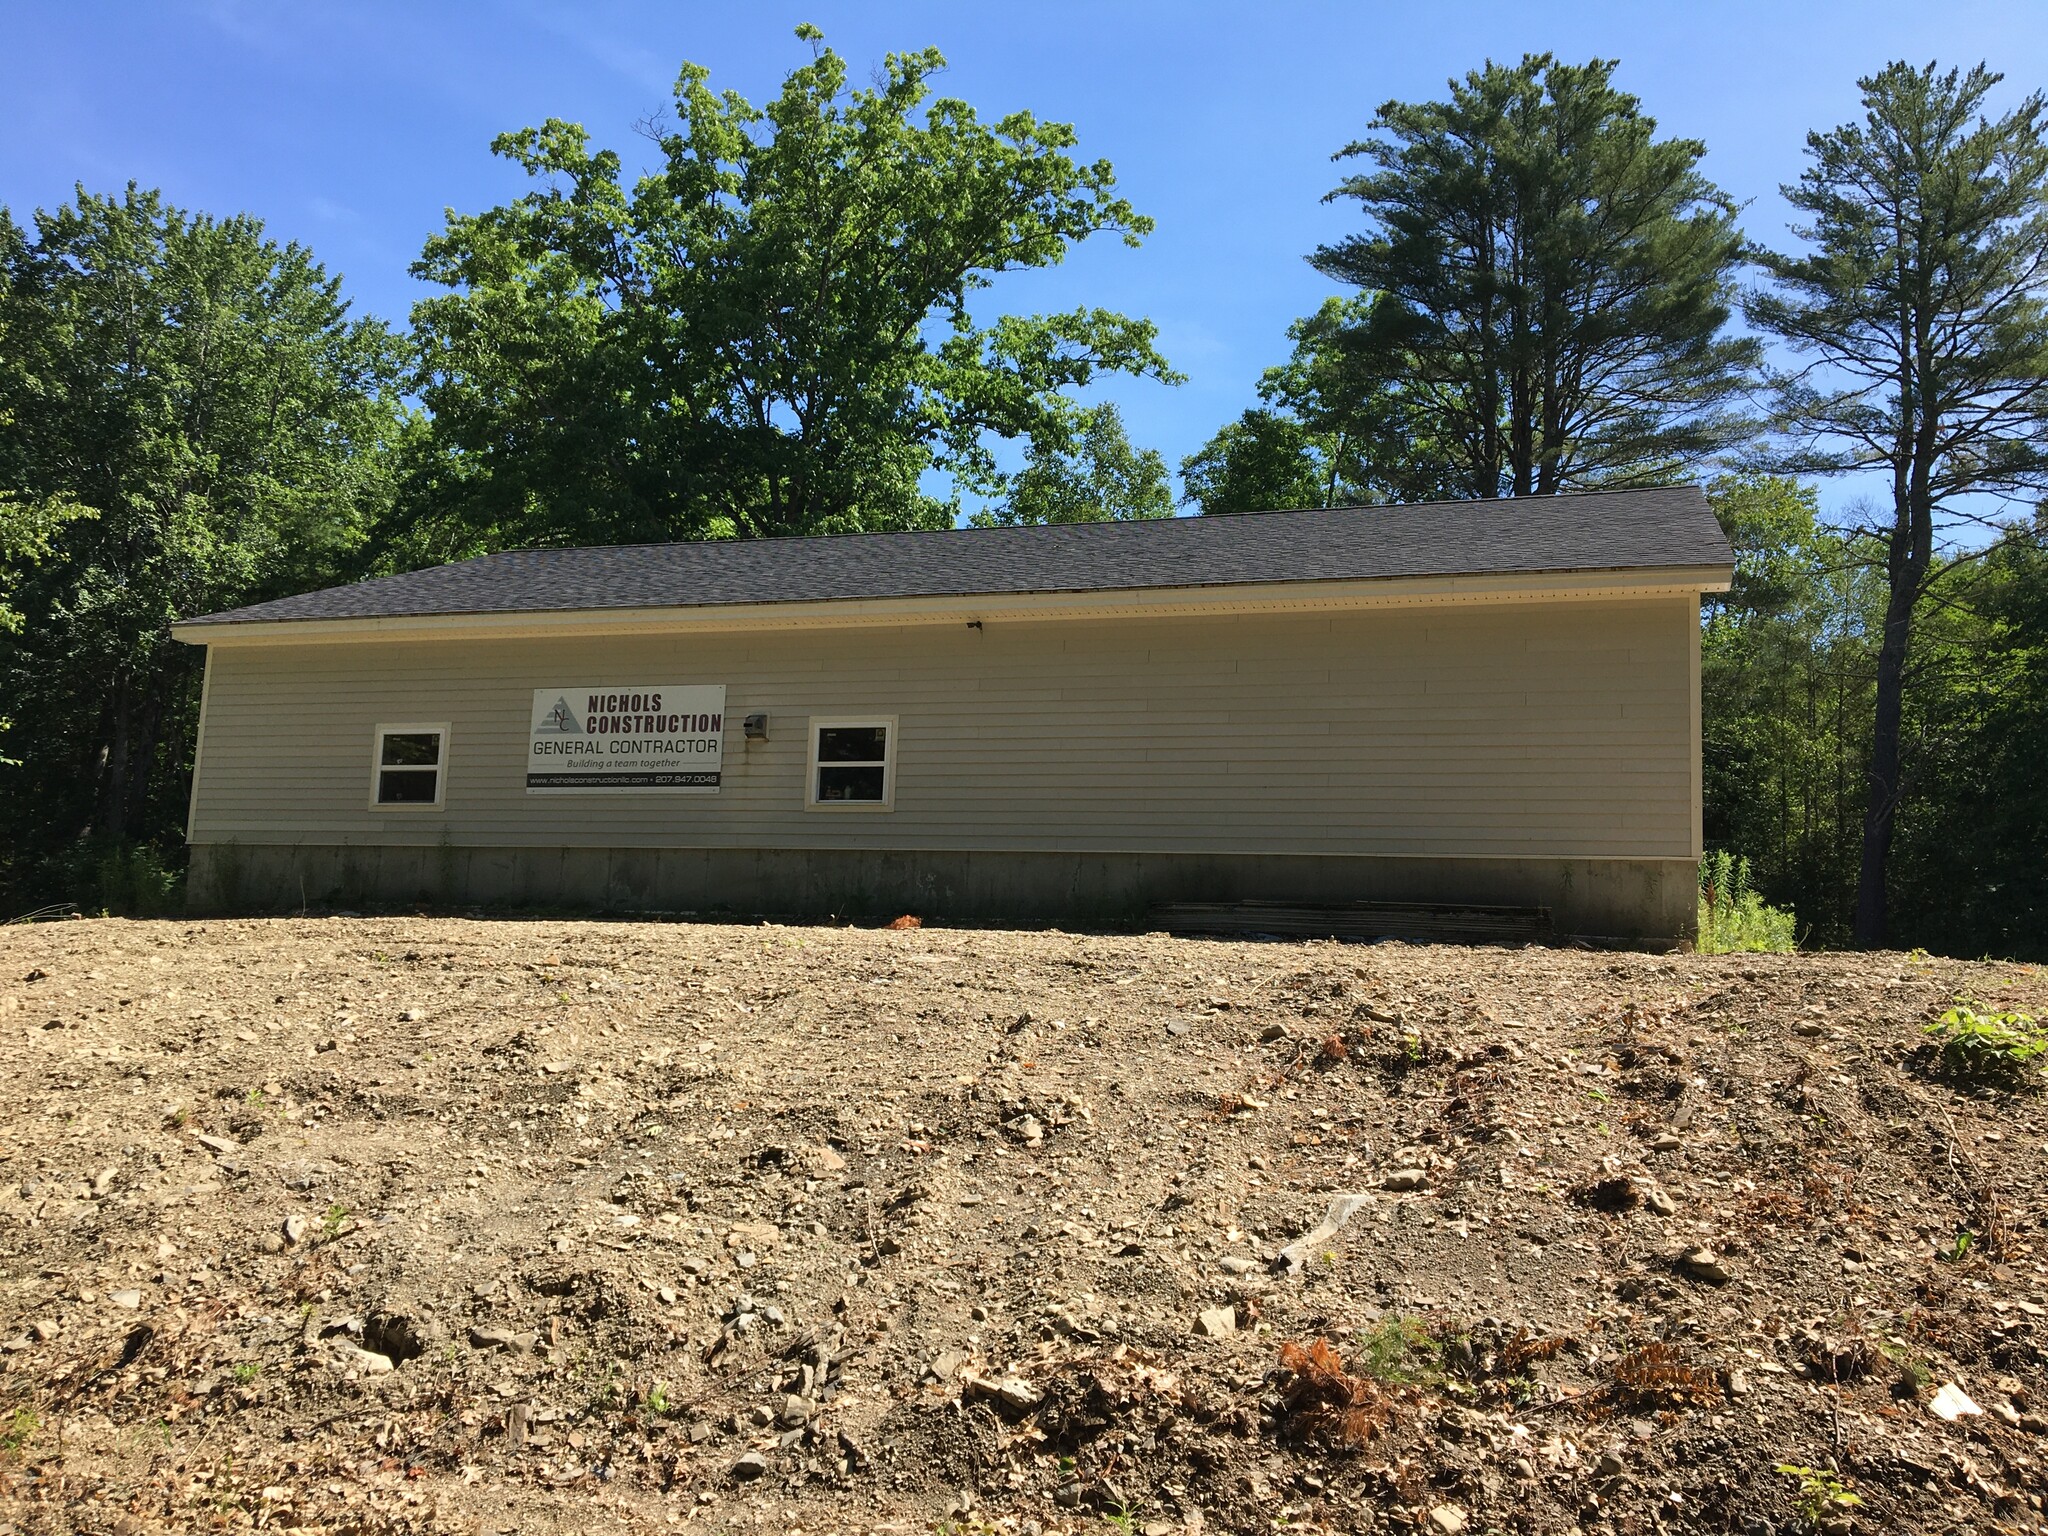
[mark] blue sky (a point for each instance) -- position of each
(351, 126)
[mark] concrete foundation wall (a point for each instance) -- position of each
(1647, 899)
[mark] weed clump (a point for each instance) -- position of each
(1401, 1351)
(1822, 1493)
(1734, 918)
(1990, 1049)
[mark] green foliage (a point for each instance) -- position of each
(1966, 872)
(1262, 462)
(1734, 919)
(1094, 477)
(1328, 433)
(1772, 523)
(770, 333)
(189, 419)
(127, 879)
(22, 1425)
(2002, 1049)
(1914, 1374)
(1821, 1492)
(1785, 667)
(1788, 680)
(1397, 1351)
(28, 536)
(1553, 282)
(1919, 313)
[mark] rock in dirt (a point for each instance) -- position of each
(1447, 1520)
(497, 1336)
(1013, 1390)
(1704, 1264)
(1406, 1178)
(1952, 1403)
(1217, 1323)
(750, 1468)
(364, 1362)
(1018, 1392)
(295, 1229)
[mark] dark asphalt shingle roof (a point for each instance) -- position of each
(1597, 531)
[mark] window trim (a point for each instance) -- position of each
(821, 723)
(438, 728)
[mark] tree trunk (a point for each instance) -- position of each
(112, 800)
(1881, 808)
(1910, 557)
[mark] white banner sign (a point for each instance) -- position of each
(626, 739)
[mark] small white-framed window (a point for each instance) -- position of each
(409, 767)
(853, 764)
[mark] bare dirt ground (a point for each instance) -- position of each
(426, 1224)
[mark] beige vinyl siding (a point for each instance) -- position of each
(1502, 729)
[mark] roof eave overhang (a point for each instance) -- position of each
(1028, 607)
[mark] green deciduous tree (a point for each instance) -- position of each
(1789, 667)
(1969, 874)
(189, 419)
(1552, 283)
(1785, 692)
(1327, 432)
(1920, 307)
(769, 333)
(1091, 475)
(1265, 461)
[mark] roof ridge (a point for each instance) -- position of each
(1177, 518)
